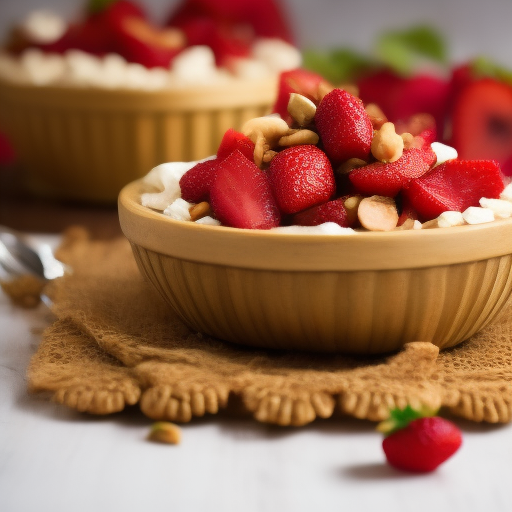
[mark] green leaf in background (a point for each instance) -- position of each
(337, 66)
(94, 6)
(484, 67)
(401, 50)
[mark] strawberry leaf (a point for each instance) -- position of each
(401, 50)
(483, 67)
(400, 418)
(95, 6)
(338, 65)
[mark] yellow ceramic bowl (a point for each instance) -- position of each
(366, 293)
(86, 144)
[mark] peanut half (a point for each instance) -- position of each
(265, 132)
(165, 432)
(387, 145)
(301, 109)
(378, 213)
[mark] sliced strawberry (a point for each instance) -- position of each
(240, 195)
(406, 211)
(387, 179)
(263, 18)
(344, 126)
(235, 140)
(301, 177)
(143, 43)
(297, 81)
(332, 211)
(400, 97)
(195, 184)
(482, 121)
(454, 186)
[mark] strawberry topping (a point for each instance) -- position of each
(332, 211)
(344, 126)
(454, 186)
(301, 177)
(240, 195)
(387, 179)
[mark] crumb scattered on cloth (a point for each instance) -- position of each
(116, 343)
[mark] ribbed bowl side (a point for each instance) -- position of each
(364, 312)
(89, 154)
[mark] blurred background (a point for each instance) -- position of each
(470, 27)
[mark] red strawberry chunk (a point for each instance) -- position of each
(344, 126)
(240, 195)
(235, 140)
(454, 185)
(301, 177)
(297, 81)
(482, 121)
(332, 211)
(387, 179)
(196, 182)
(422, 445)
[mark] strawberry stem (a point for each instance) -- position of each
(400, 418)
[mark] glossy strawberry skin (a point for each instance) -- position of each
(387, 179)
(301, 177)
(195, 184)
(422, 445)
(482, 121)
(233, 140)
(454, 185)
(344, 126)
(240, 195)
(332, 211)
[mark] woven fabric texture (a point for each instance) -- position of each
(115, 343)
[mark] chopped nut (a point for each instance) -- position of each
(165, 432)
(408, 140)
(407, 224)
(430, 224)
(265, 132)
(387, 145)
(418, 123)
(268, 155)
(350, 88)
(299, 137)
(324, 88)
(351, 206)
(378, 213)
(301, 109)
(377, 117)
(350, 165)
(200, 210)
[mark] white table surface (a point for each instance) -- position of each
(54, 459)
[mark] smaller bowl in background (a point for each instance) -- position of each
(86, 144)
(366, 293)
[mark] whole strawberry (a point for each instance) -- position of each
(416, 442)
(344, 126)
(301, 177)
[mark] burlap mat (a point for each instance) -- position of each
(115, 343)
